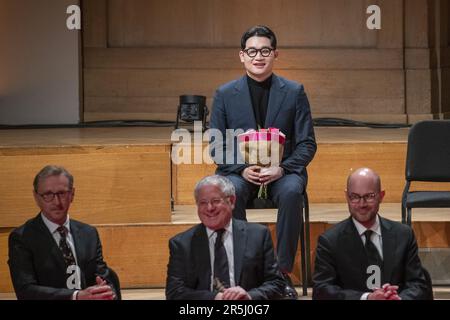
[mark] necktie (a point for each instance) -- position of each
(69, 259)
(221, 271)
(373, 255)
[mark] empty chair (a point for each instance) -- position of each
(428, 159)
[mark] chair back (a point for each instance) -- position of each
(428, 155)
(114, 279)
(430, 295)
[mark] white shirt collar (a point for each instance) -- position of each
(375, 227)
(53, 226)
(228, 228)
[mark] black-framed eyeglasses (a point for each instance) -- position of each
(49, 196)
(369, 197)
(252, 52)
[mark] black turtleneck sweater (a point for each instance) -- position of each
(259, 93)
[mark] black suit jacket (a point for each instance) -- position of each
(37, 265)
(340, 265)
(255, 266)
(288, 110)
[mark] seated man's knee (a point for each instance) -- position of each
(291, 193)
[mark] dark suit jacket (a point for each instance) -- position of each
(255, 266)
(288, 110)
(37, 265)
(340, 265)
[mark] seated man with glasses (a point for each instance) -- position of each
(52, 256)
(366, 256)
(261, 99)
(222, 258)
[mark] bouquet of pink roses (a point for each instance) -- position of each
(263, 148)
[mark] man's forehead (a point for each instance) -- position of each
(254, 39)
(210, 189)
(52, 181)
(362, 182)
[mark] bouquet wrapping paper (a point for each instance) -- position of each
(263, 147)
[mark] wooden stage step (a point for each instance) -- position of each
(124, 175)
(117, 173)
(139, 252)
(340, 150)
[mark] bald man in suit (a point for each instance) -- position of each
(366, 256)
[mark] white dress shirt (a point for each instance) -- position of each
(228, 244)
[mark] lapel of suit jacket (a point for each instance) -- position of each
(79, 243)
(202, 260)
(242, 99)
(276, 97)
(389, 245)
(55, 251)
(353, 243)
(239, 247)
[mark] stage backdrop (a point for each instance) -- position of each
(139, 56)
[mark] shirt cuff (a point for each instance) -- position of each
(75, 295)
(365, 296)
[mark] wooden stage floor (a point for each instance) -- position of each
(440, 293)
(114, 136)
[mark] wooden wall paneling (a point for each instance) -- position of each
(94, 19)
(5, 278)
(344, 92)
(139, 254)
(309, 23)
(338, 39)
(306, 23)
(417, 24)
(445, 57)
(391, 33)
(421, 96)
(140, 23)
(328, 171)
(227, 58)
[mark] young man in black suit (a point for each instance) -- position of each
(262, 99)
(222, 258)
(366, 256)
(52, 256)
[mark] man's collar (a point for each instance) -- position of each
(53, 226)
(375, 227)
(228, 228)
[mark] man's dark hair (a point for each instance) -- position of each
(259, 31)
